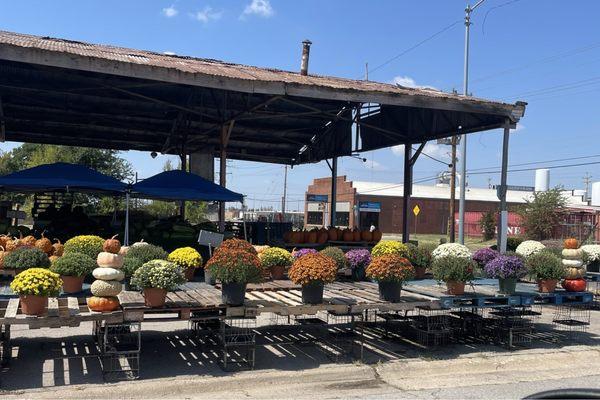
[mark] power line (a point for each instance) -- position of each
(533, 169)
(539, 162)
(411, 48)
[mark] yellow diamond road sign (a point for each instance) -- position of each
(416, 210)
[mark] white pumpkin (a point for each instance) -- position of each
(572, 263)
(106, 288)
(123, 251)
(572, 254)
(140, 243)
(108, 274)
(106, 259)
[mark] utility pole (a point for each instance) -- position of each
(586, 181)
(284, 192)
(451, 220)
(463, 142)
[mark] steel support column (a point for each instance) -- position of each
(333, 191)
(407, 186)
(503, 220)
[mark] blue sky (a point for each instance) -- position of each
(544, 52)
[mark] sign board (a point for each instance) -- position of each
(16, 214)
(369, 206)
(416, 210)
(516, 188)
(210, 239)
(317, 197)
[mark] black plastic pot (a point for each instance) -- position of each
(358, 274)
(208, 278)
(390, 291)
(312, 293)
(233, 294)
(593, 266)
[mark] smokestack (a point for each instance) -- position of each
(305, 55)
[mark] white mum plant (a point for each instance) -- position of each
(451, 249)
(592, 251)
(529, 247)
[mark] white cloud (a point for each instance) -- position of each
(262, 8)
(170, 12)
(433, 149)
(374, 165)
(207, 15)
(409, 82)
(520, 127)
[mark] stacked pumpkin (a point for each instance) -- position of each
(108, 276)
(572, 260)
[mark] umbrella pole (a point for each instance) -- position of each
(126, 235)
(244, 219)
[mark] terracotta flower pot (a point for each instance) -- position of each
(154, 297)
(278, 272)
(547, 285)
(420, 272)
(189, 274)
(33, 305)
(72, 284)
(455, 288)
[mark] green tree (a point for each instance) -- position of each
(487, 223)
(542, 213)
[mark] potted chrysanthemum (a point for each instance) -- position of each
(34, 286)
(529, 248)
(359, 260)
(390, 271)
(296, 254)
(313, 271)
(507, 269)
(455, 271)
(73, 268)
(276, 260)
(156, 278)
(235, 268)
(484, 256)
(389, 247)
(420, 258)
(188, 259)
(546, 268)
(592, 257)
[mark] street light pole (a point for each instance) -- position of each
(463, 140)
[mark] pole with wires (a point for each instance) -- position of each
(463, 139)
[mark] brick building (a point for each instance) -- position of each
(360, 204)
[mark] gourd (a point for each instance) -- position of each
(28, 240)
(102, 304)
(366, 236)
(572, 254)
(572, 263)
(106, 288)
(377, 235)
(45, 245)
(108, 274)
(574, 273)
(112, 245)
(332, 234)
(571, 243)
(123, 250)
(106, 259)
(2, 254)
(59, 248)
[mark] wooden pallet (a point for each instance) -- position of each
(65, 311)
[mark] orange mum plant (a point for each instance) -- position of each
(235, 266)
(313, 268)
(237, 244)
(390, 268)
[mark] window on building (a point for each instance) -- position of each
(342, 218)
(314, 218)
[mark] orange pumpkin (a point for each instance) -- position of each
(287, 237)
(295, 237)
(2, 254)
(102, 304)
(45, 245)
(311, 237)
(366, 236)
(376, 236)
(12, 244)
(571, 243)
(59, 248)
(347, 235)
(112, 245)
(322, 237)
(332, 234)
(53, 258)
(28, 240)
(356, 236)
(3, 240)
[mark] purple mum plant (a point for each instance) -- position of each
(358, 258)
(506, 267)
(484, 256)
(302, 252)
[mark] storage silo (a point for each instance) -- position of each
(596, 194)
(542, 180)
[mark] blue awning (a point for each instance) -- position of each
(59, 177)
(180, 185)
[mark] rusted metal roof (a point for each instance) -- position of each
(222, 75)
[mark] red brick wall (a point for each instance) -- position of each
(345, 192)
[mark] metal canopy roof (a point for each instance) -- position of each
(65, 92)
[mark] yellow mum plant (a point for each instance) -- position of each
(386, 247)
(37, 282)
(186, 257)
